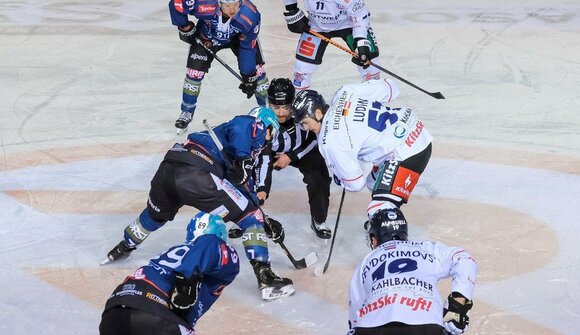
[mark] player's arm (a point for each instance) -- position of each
(359, 16)
(247, 22)
(346, 169)
(462, 268)
(356, 298)
(178, 13)
(241, 135)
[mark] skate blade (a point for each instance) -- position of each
(105, 261)
(271, 293)
(180, 131)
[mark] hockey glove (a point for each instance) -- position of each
(186, 33)
(455, 319)
(249, 85)
(337, 180)
(185, 291)
(363, 48)
(241, 171)
(274, 230)
(296, 20)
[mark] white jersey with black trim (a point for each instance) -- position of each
(397, 282)
(331, 15)
(359, 126)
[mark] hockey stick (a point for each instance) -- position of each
(213, 54)
(436, 95)
(317, 271)
(305, 262)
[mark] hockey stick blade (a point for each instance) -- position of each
(303, 263)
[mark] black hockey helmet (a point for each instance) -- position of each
(306, 103)
(281, 91)
(387, 224)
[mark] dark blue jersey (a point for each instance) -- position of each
(222, 31)
(242, 137)
(207, 257)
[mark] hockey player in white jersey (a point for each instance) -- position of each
(346, 19)
(394, 290)
(359, 126)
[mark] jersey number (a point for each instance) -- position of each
(400, 265)
(174, 257)
(319, 5)
(379, 121)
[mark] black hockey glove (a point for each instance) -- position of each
(249, 85)
(363, 48)
(296, 20)
(455, 319)
(186, 33)
(241, 171)
(185, 291)
(274, 230)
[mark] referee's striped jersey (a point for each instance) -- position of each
(293, 141)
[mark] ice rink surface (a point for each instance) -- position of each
(89, 91)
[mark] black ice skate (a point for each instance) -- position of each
(119, 252)
(271, 285)
(182, 122)
(321, 230)
(235, 232)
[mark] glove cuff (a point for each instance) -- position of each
(249, 78)
(363, 42)
(293, 16)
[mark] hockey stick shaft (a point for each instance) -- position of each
(298, 264)
(221, 61)
(335, 231)
(436, 95)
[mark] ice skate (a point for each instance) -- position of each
(235, 232)
(271, 285)
(182, 122)
(119, 252)
(321, 230)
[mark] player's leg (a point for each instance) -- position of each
(162, 206)
(309, 54)
(115, 321)
(218, 196)
(317, 179)
(198, 64)
(370, 72)
(393, 182)
(144, 323)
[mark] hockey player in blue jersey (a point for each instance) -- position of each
(177, 287)
(222, 24)
(197, 174)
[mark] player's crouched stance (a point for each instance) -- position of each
(394, 290)
(176, 288)
(197, 173)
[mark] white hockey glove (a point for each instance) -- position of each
(296, 21)
(186, 33)
(455, 319)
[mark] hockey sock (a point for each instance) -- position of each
(138, 230)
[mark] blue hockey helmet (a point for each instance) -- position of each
(205, 223)
(306, 103)
(387, 224)
(268, 117)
